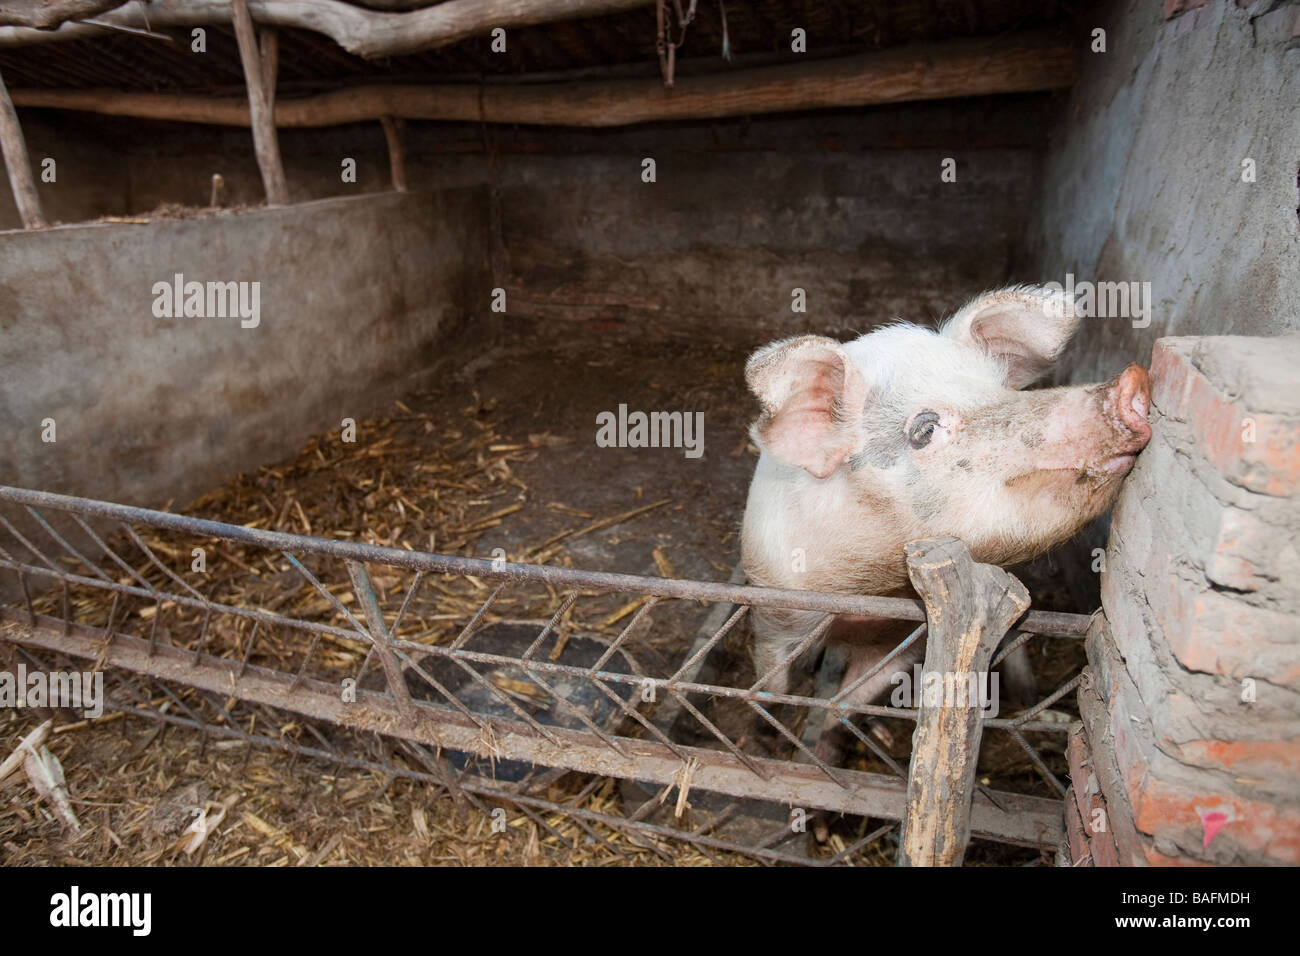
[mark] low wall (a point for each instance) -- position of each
(352, 298)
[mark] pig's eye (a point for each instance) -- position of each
(922, 429)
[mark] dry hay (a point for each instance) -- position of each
(411, 483)
(135, 786)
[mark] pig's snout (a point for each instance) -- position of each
(1130, 397)
(1128, 400)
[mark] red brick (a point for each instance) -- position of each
(1088, 800)
(1216, 634)
(1075, 837)
(1235, 554)
(1203, 722)
(1127, 841)
(1270, 464)
(1264, 831)
(1247, 758)
(1168, 799)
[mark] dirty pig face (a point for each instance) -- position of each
(907, 433)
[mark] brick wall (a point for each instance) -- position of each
(1189, 744)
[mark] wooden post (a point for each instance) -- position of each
(393, 133)
(270, 65)
(19, 165)
(969, 607)
(261, 105)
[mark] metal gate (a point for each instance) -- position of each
(115, 585)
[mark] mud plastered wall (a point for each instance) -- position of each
(1175, 163)
(352, 297)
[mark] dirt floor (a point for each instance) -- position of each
(498, 460)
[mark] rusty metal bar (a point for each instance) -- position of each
(1039, 622)
(379, 638)
(400, 646)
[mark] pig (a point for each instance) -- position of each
(907, 433)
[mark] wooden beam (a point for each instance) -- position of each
(45, 14)
(968, 608)
(261, 107)
(367, 33)
(19, 165)
(956, 68)
(393, 133)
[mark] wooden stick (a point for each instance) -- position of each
(17, 162)
(270, 65)
(367, 33)
(261, 107)
(968, 607)
(393, 130)
(1010, 64)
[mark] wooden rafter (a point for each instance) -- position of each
(955, 68)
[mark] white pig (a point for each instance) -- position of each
(908, 433)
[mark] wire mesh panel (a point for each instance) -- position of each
(487, 679)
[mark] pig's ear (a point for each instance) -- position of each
(812, 397)
(1026, 327)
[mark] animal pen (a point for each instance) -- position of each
(302, 391)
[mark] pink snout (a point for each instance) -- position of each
(1131, 395)
(1128, 401)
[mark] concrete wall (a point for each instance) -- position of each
(847, 205)
(90, 171)
(354, 296)
(1143, 178)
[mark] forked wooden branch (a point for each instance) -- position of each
(367, 33)
(969, 607)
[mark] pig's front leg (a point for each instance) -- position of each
(1018, 684)
(777, 632)
(867, 641)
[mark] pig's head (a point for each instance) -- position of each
(908, 433)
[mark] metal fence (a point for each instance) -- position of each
(116, 585)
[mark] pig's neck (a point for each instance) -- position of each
(819, 534)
